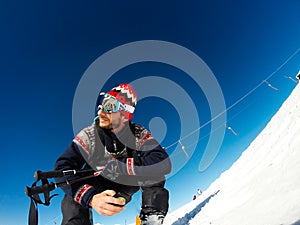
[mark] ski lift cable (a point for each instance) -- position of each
(239, 100)
(217, 116)
(217, 128)
(229, 128)
(186, 147)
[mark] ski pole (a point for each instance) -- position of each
(38, 175)
(47, 187)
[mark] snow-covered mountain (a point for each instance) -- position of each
(263, 186)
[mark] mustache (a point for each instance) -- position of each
(104, 117)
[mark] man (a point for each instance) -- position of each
(127, 157)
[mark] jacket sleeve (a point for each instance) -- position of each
(74, 159)
(155, 161)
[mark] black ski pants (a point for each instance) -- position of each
(154, 199)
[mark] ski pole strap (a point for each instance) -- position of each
(33, 192)
(33, 212)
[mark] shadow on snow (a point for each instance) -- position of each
(188, 216)
(296, 223)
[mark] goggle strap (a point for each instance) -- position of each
(128, 108)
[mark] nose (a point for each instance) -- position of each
(101, 112)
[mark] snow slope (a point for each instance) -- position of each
(263, 186)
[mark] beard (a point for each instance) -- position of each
(115, 124)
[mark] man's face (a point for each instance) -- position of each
(111, 120)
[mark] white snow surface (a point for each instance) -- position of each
(263, 186)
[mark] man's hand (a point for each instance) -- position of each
(102, 203)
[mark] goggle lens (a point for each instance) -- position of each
(110, 104)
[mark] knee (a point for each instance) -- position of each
(155, 199)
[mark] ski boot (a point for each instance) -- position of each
(152, 218)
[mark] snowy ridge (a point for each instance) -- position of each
(263, 186)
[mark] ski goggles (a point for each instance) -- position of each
(112, 105)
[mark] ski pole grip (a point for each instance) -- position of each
(38, 175)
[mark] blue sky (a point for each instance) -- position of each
(46, 47)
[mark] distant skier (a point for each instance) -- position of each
(199, 192)
(194, 197)
(122, 151)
